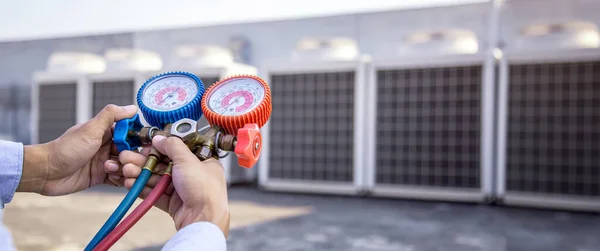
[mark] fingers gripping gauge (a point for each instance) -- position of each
(240, 105)
(169, 97)
(172, 102)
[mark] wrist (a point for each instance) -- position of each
(35, 168)
(218, 217)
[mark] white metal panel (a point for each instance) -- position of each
(576, 203)
(433, 185)
(309, 186)
(560, 168)
(516, 15)
(381, 33)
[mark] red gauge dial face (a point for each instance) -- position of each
(236, 96)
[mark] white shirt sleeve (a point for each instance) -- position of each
(203, 236)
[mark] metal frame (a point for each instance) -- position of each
(83, 95)
(487, 119)
(219, 72)
(583, 203)
(357, 186)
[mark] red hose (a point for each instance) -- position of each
(135, 215)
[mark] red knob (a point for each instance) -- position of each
(248, 146)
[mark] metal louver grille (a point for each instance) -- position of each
(57, 110)
(207, 81)
(554, 128)
(311, 127)
(428, 127)
(112, 92)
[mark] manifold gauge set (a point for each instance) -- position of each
(171, 103)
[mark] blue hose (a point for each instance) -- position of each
(118, 214)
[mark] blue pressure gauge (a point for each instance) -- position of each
(169, 97)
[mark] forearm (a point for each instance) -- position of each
(35, 161)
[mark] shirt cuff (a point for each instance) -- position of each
(198, 236)
(11, 168)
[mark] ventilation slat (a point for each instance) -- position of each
(428, 127)
(57, 110)
(311, 135)
(554, 128)
(112, 92)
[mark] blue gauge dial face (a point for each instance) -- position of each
(169, 93)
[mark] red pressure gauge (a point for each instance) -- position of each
(236, 101)
(240, 105)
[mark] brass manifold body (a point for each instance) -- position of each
(205, 142)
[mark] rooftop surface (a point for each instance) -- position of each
(285, 222)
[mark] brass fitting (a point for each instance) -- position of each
(169, 170)
(227, 142)
(151, 162)
(205, 153)
(166, 132)
(204, 144)
(146, 134)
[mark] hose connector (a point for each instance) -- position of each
(151, 163)
(169, 170)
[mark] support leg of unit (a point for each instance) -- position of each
(489, 199)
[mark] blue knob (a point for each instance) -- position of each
(120, 137)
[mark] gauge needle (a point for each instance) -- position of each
(169, 96)
(230, 104)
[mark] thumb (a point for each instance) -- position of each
(174, 148)
(112, 113)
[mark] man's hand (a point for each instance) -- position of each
(199, 189)
(75, 160)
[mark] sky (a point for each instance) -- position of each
(35, 19)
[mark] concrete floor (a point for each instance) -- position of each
(285, 222)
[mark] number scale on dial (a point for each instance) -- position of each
(170, 93)
(236, 97)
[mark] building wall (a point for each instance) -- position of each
(19, 60)
(381, 33)
(377, 34)
(516, 14)
(270, 41)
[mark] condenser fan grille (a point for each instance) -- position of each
(429, 126)
(311, 127)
